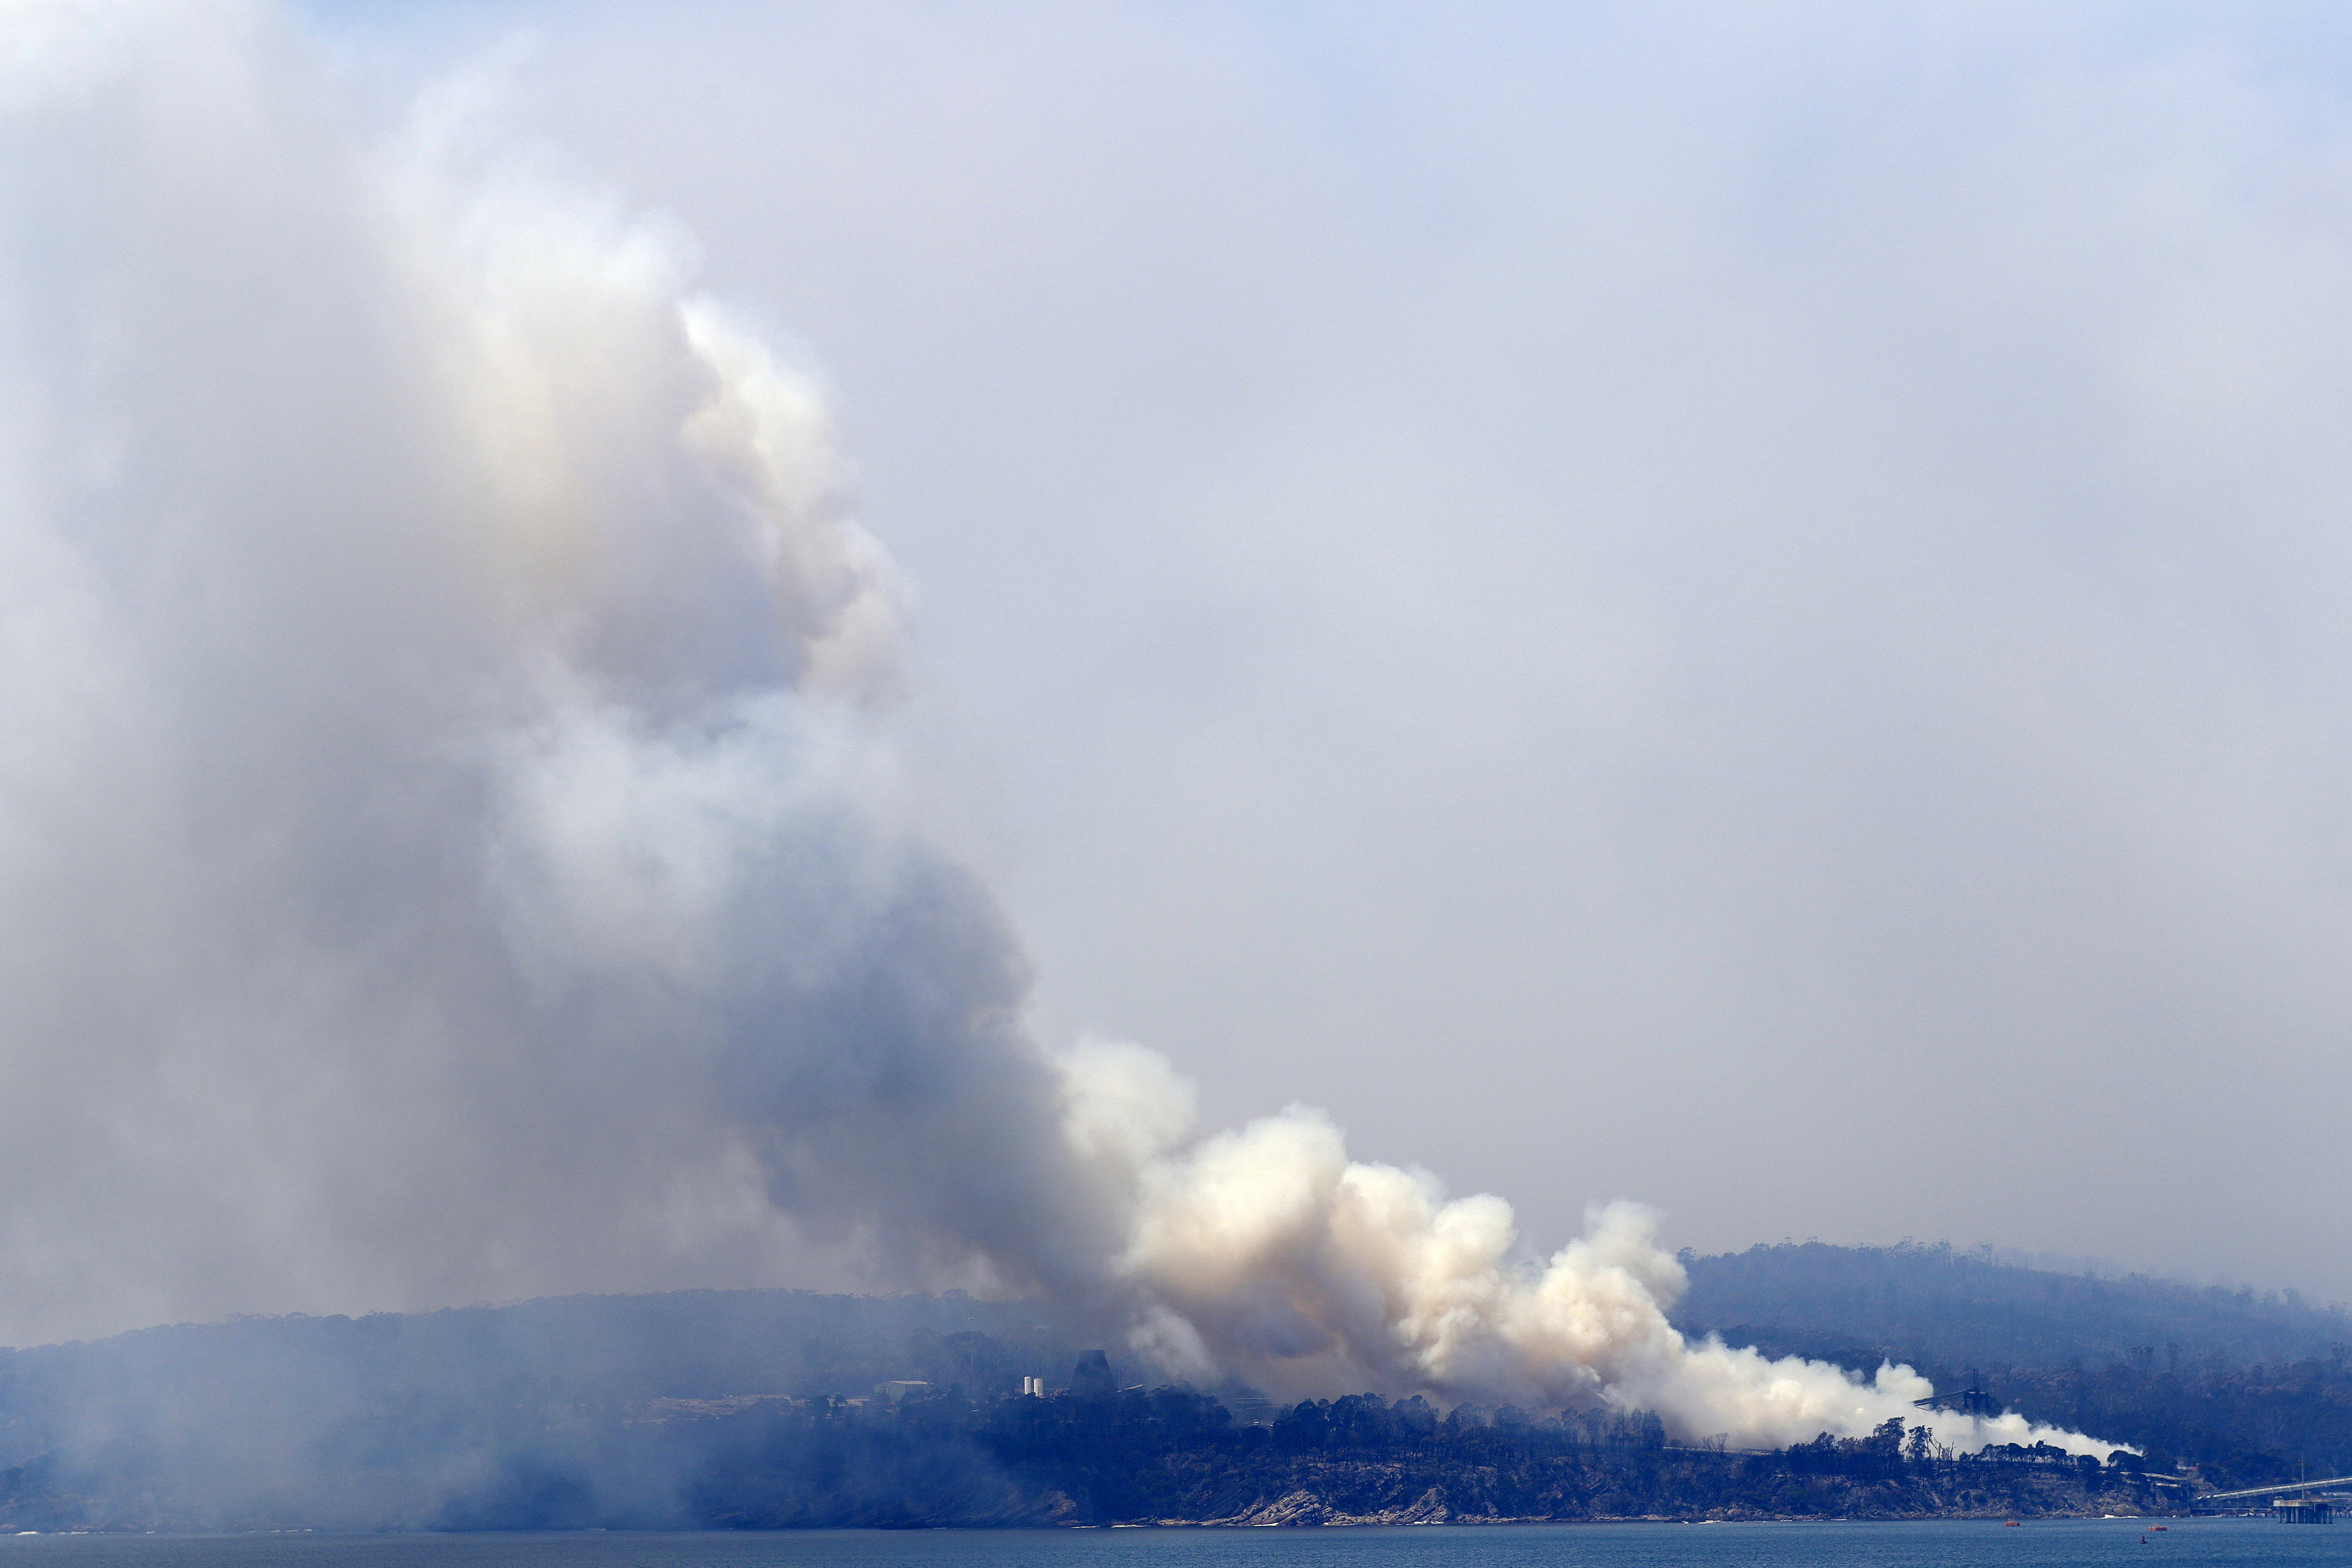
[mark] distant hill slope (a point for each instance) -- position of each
(2250, 1388)
(295, 1377)
(1944, 1311)
(632, 1407)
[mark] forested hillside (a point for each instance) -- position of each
(2247, 1386)
(265, 1383)
(781, 1407)
(1167, 1456)
(1931, 1305)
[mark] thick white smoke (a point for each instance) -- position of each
(451, 840)
(1268, 1254)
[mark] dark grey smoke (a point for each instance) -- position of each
(456, 842)
(448, 838)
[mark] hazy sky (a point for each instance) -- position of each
(1744, 609)
(1739, 607)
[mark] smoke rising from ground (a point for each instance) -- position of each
(454, 834)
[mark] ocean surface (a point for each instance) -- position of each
(2049, 1543)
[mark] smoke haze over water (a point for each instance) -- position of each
(455, 829)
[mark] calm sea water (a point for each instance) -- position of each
(2057, 1544)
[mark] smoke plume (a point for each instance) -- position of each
(455, 837)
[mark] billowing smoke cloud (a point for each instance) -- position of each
(1267, 1253)
(453, 836)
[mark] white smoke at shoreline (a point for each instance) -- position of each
(1267, 1254)
(451, 838)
